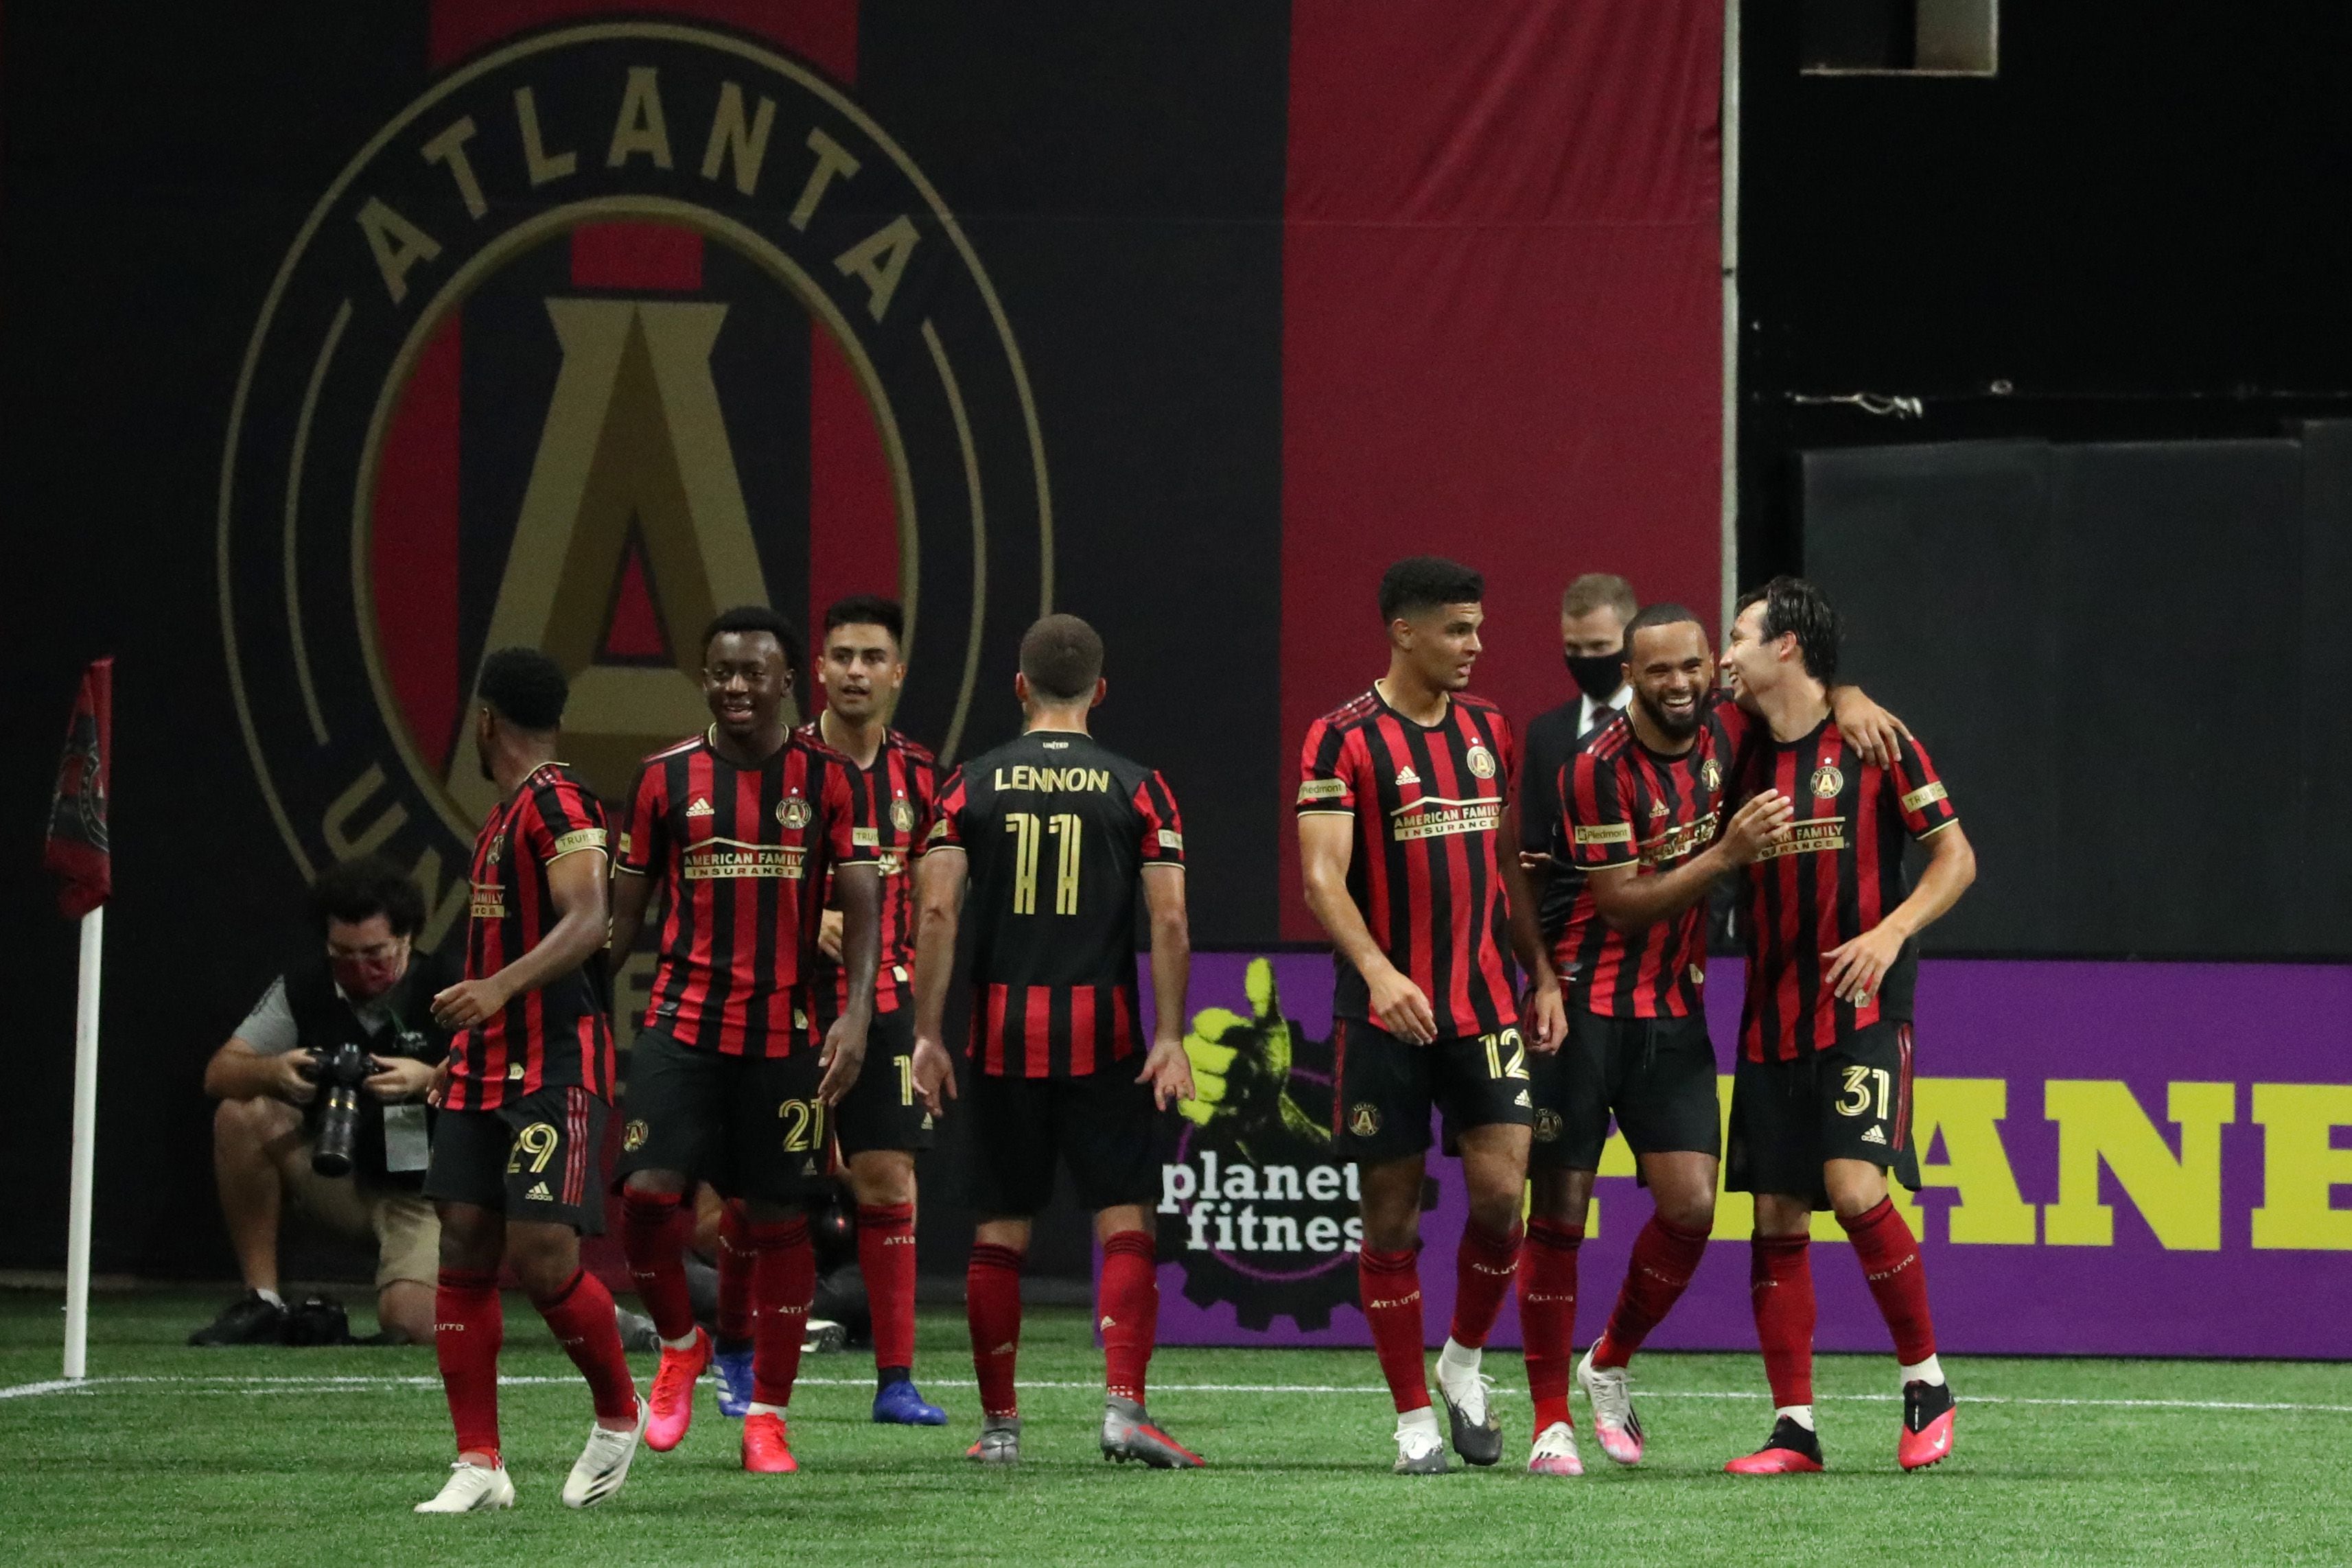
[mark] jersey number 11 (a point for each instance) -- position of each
(1028, 830)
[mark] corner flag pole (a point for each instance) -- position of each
(85, 1145)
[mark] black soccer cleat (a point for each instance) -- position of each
(1927, 1437)
(1791, 1449)
(248, 1320)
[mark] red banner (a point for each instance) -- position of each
(77, 847)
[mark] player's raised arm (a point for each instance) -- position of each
(1630, 901)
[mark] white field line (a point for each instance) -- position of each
(295, 1385)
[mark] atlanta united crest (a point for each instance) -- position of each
(589, 343)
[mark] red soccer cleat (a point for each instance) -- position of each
(768, 1446)
(673, 1396)
(1927, 1437)
(1792, 1450)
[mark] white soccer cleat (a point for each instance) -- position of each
(1420, 1450)
(1555, 1452)
(1614, 1421)
(604, 1464)
(471, 1488)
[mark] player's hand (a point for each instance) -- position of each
(828, 933)
(1546, 1016)
(935, 1082)
(1856, 967)
(1399, 1005)
(294, 1086)
(843, 1056)
(1240, 1064)
(470, 1002)
(1874, 734)
(1169, 1072)
(399, 1078)
(1756, 826)
(439, 1092)
(1534, 861)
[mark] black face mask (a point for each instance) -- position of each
(1597, 675)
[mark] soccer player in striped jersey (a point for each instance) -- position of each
(882, 1124)
(1820, 1103)
(1055, 835)
(738, 829)
(1409, 850)
(523, 1095)
(1643, 802)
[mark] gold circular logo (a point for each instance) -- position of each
(1546, 1126)
(1710, 774)
(1364, 1119)
(1827, 781)
(1482, 761)
(794, 814)
(632, 1137)
(902, 815)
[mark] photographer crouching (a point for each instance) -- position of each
(322, 1092)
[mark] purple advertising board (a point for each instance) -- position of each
(2118, 1159)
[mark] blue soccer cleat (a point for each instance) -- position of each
(731, 1370)
(902, 1404)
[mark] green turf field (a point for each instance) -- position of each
(259, 1457)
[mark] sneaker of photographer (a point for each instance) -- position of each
(731, 1370)
(672, 1405)
(251, 1319)
(604, 1464)
(471, 1488)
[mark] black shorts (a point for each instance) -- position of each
(1384, 1089)
(752, 1126)
(1104, 1126)
(1657, 1074)
(1852, 1102)
(534, 1159)
(881, 1110)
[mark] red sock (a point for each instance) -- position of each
(885, 1255)
(581, 1314)
(1389, 1285)
(992, 1304)
(1665, 1258)
(1127, 1308)
(1890, 1261)
(1483, 1267)
(1781, 1284)
(734, 1273)
(784, 1284)
(1547, 1315)
(652, 1238)
(468, 1322)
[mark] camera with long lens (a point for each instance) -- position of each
(342, 1073)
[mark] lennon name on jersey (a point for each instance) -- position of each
(1053, 780)
(713, 858)
(1433, 818)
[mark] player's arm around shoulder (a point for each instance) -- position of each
(1855, 968)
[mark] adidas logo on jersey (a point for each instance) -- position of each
(1657, 808)
(1405, 775)
(700, 808)
(538, 1194)
(1872, 1135)
(1522, 1099)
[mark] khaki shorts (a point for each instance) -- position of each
(407, 1232)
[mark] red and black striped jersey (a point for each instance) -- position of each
(1428, 804)
(1059, 829)
(1623, 804)
(901, 789)
(1837, 875)
(556, 1036)
(743, 854)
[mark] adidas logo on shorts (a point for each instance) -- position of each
(538, 1194)
(1522, 1099)
(1872, 1135)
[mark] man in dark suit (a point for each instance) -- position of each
(1592, 617)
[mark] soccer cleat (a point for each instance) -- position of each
(471, 1488)
(251, 1319)
(1127, 1434)
(1614, 1421)
(604, 1464)
(731, 1371)
(1927, 1426)
(901, 1404)
(637, 1330)
(673, 1398)
(1420, 1450)
(999, 1442)
(823, 1336)
(1555, 1452)
(1791, 1449)
(768, 1444)
(1477, 1434)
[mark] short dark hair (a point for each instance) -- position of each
(363, 887)
(1791, 604)
(526, 688)
(759, 618)
(868, 609)
(1062, 658)
(1424, 583)
(1659, 615)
